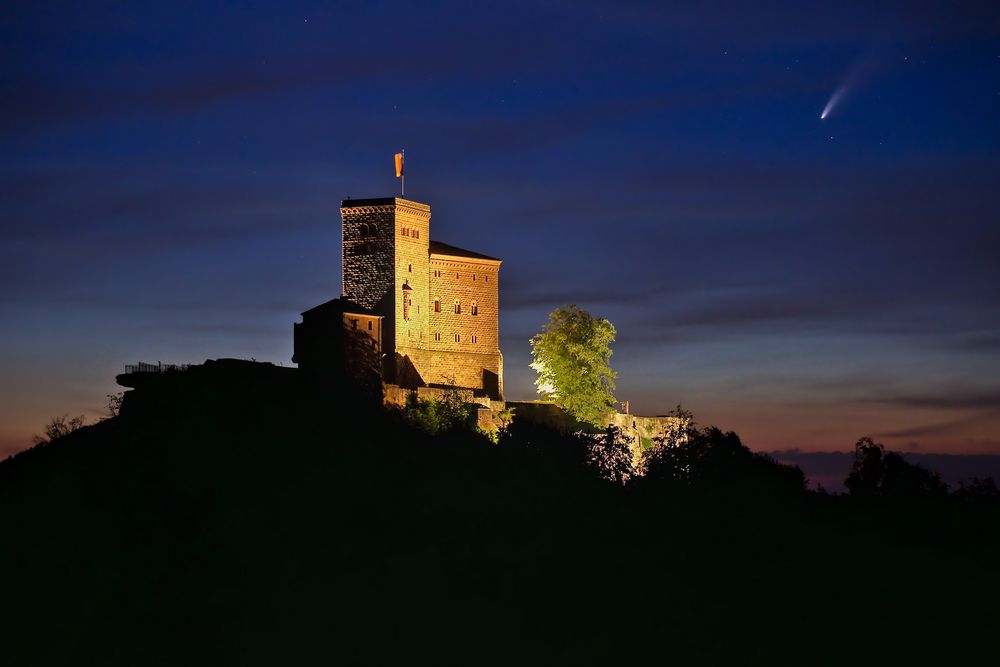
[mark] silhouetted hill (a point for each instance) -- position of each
(241, 513)
(830, 469)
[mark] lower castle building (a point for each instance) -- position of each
(414, 312)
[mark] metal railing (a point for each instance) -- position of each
(158, 367)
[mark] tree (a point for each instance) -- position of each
(114, 405)
(572, 356)
(435, 416)
(57, 428)
(880, 474)
(610, 453)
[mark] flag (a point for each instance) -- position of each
(399, 165)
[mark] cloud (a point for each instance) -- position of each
(946, 399)
(955, 428)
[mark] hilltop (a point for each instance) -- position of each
(243, 513)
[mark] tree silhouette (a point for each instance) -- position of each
(610, 454)
(876, 473)
(57, 428)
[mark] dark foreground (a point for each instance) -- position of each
(250, 517)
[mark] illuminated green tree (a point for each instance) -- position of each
(572, 356)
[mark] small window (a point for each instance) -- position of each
(354, 324)
(409, 267)
(437, 336)
(486, 278)
(456, 276)
(458, 308)
(437, 305)
(458, 338)
(473, 277)
(474, 339)
(369, 325)
(416, 233)
(475, 308)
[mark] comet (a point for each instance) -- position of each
(834, 101)
(860, 73)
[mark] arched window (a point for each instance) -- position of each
(406, 301)
(458, 308)
(409, 267)
(363, 230)
(475, 308)
(437, 305)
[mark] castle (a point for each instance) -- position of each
(414, 312)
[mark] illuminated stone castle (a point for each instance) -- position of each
(414, 311)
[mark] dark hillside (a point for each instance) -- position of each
(244, 514)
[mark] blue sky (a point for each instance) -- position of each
(170, 176)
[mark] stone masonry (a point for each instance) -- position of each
(439, 303)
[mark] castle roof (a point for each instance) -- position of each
(340, 305)
(438, 248)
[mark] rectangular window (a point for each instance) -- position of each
(437, 305)
(369, 325)
(437, 336)
(474, 339)
(458, 338)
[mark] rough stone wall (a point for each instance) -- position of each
(469, 282)
(644, 430)
(463, 369)
(367, 252)
(395, 395)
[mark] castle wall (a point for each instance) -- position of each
(462, 344)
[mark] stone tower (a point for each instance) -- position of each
(385, 258)
(429, 310)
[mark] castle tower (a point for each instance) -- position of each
(385, 259)
(418, 312)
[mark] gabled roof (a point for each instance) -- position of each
(438, 248)
(341, 305)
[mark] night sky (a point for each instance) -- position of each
(170, 177)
